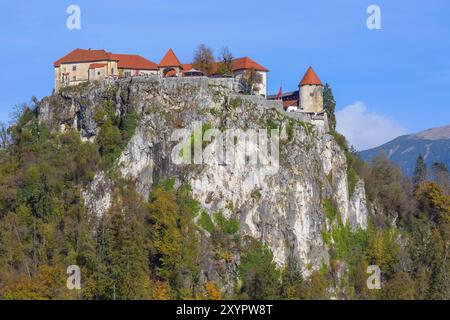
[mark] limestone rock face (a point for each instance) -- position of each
(282, 205)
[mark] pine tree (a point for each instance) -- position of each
(127, 252)
(420, 171)
(329, 105)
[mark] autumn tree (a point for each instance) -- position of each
(212, 291)
(225, 62)
(203, 59)
(391, 189)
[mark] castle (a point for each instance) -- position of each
(82, 65)
(307, 99)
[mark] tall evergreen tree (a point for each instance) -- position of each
(420, 171)
(329, 104)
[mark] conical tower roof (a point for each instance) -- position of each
(310, 78)
(170, 60)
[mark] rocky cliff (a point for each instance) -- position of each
(283, 208)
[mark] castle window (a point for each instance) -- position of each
(74, 68)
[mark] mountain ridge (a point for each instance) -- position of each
(433, 144)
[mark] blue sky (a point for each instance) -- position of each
(399, 74)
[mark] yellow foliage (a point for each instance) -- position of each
(212, 291)
(161, 291)
(49, 283)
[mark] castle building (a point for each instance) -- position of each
(308, 98)
(170, 66)
(88, 65)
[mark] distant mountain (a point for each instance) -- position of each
(433, 144)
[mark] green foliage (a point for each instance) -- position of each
(271, 125)
(258, 272)
(290, 129)
(340, 139)
(353, 161)
(173, 236)
(228, 226)
(153, 249)
(329, 105)
(352, 178)
(330, 209)
(206, 222)
(235, 103)
(125, 248)
(420, 171)
(109, 140)
(115, 132)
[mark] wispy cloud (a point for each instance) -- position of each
(364, 129)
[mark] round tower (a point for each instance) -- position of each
(311, 92)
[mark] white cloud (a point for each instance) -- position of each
(364, 129)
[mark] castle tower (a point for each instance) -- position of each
(170, 65)
(311, 95)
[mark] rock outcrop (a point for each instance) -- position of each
(283, 207)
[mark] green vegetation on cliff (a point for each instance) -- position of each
(155, 248)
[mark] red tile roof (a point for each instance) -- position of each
(171, 73)
(247, 63)
(310, 78)
(82, 55)
(137, 62)
(134, 61)
(170, 60)
(289, 103)
(97, 65)
(186, 66)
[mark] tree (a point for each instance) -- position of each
(225, 65)
(166, 236)
(212, 291)
(127, 248)
(401, 287)
(48, 283)
(250, 80)
(441, 175)
(203, 59)
(420, 171)
(258, 271)
(392, 191)
(329, 105)
(314, 288)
